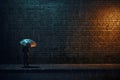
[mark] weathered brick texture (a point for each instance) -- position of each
(66, 31)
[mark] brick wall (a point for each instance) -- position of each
(66, 31)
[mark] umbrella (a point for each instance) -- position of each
(26, 41)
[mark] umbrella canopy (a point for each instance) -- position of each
(32, 43)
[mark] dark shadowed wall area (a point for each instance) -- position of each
(66, 31)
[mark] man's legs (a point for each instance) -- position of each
(27, 59)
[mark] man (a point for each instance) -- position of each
(26, 51)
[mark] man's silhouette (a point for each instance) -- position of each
(26, 51)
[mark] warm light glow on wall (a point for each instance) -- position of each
(96, 32)
(108, 23)
(108, 17)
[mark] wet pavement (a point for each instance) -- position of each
(60, 72)
(58, 66)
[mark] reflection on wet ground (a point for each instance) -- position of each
(61, 72)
